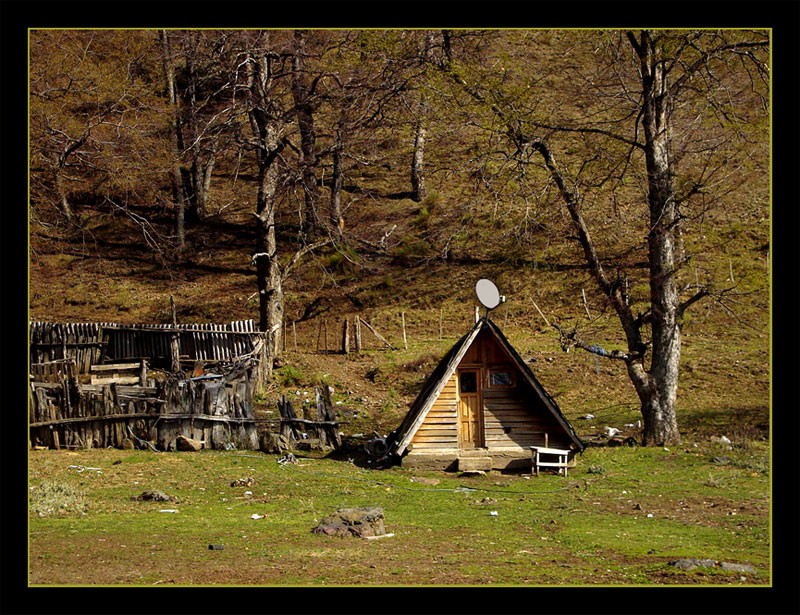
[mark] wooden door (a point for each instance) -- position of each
(470, 416)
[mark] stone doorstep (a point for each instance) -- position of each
(470, 464)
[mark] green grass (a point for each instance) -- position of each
(586, 529)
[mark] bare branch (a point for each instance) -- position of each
(302, 252)
(570, 339)
(703, 292)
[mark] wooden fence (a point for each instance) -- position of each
(319, 423)
(84, 395)
(211, 409)
(165, 346)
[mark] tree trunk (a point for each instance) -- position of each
(658, 411)
(267, 127)
(418, 191)
(335, 212)
(417, 172)
(305, 122)
(60, 164)
(198, 183)
(178, 193)
(63, 201)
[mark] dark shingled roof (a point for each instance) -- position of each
(434, 384)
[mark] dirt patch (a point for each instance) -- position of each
(700, 511)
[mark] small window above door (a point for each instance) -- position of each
(468, 382)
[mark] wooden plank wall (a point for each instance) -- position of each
(67, 412)
(515, 417)
(440, 427)
(218, 412)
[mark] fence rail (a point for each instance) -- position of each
(215, 407)
(87, 344)
(217, 411)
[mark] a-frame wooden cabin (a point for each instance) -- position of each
(481, 408)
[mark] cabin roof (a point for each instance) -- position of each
(444, 370)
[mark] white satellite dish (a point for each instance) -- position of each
(488, 294)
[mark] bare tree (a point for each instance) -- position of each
(303, 91)
(670, 68)
(95, 124)
(198, 91)
(418, 184)
(267, 124)
(269, 113)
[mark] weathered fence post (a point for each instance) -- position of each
(328, 426)
(175, 351)
(175, 343)
(264, 362)
(346, 337)
(358, 334)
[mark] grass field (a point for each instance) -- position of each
(619, 518)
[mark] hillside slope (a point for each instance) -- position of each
(107, 272)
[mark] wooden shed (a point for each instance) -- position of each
(481, 408)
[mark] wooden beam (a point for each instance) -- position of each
(146, 415)
(378, 335)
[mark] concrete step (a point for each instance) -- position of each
(472, 463)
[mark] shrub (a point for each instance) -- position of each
(290, 375)
(52, 498)
(341, 261)
(411, 252)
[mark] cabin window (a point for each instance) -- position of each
(501, 378)
(468, 382)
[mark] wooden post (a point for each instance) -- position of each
(346, 337)
(319, 334)
(325, 333)
(403, 320)
(547, 322)
(175, 351)
(358, 334)
(175, 344)
(378, 335)
(284, 336)
(294, 335)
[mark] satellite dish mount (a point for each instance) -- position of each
(488, 295)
